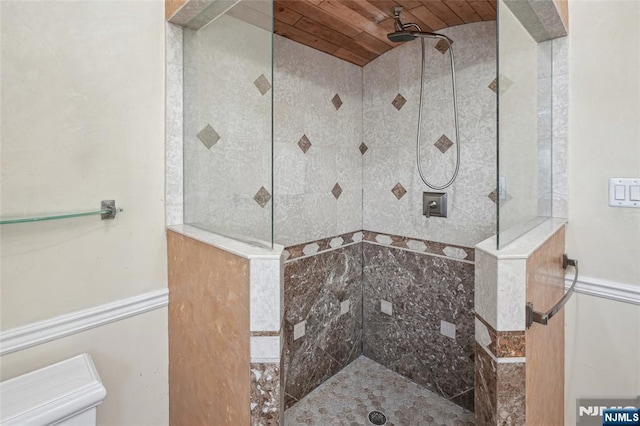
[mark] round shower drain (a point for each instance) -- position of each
(377, 418)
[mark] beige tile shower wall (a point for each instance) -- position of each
(390, 136)
(318, 162)
(82, 120)
(227, 128)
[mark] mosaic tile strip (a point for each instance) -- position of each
(451, 251)
(505, 344)
(426, 246)
(399, 101)
(265, 333)
(265, 394)
(297, 251)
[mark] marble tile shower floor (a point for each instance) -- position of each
(365, 385)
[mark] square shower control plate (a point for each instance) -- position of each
(434, 204)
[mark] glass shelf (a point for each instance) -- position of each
(108, 211)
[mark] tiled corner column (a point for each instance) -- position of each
(267, 309)
(501, 293)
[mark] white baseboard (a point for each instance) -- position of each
(19, 338)
(606, 289)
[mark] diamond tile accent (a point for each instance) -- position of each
(336, 101)
(262, 84)
(262, 197)
(399, 101)
(443, 144)
(363, 148)
(494, 85)
(442, 46)
(398, 190)
(357, 237)
(337, 190)
(505, 84)
(493, 196)
(304, 143)
(208, 136)
(455, 252)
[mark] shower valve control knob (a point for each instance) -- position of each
(434, 204)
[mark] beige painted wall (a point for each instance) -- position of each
(604, 136)
(602, 348)
(602, 336)
(82, 92)
(131, 359)
(82, 120)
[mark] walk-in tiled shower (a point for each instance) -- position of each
(286, 147)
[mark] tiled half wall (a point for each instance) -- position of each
(405, 303)
(519, 372)
(225, 309)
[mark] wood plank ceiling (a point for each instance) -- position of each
(356, 30)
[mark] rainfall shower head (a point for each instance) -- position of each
(400, 36)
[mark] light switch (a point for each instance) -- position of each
(624, 192)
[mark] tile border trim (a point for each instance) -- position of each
(504, 344)
(39, 332)
(434, 248)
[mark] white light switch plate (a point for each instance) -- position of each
(624, 192)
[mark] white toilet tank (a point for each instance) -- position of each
(65, 394)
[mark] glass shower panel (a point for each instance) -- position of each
(524, 193)
(228, 110)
